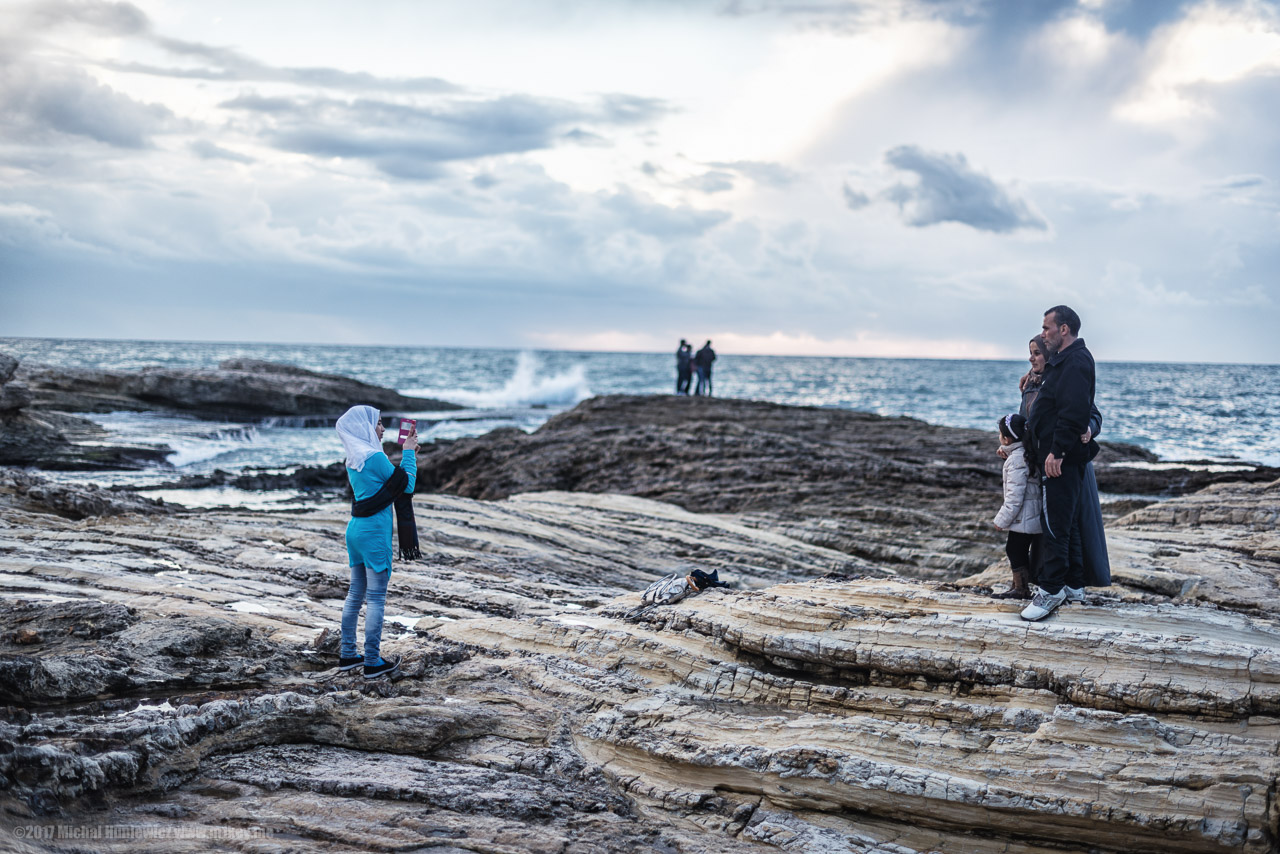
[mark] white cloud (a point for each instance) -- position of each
(779, 343)
(1212, 45)
(700, 175)
(805, 75)
(859, 344)
(1077, 42)
(1123, 278)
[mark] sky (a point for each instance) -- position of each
(918, 178)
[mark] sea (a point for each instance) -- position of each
(1217, 415)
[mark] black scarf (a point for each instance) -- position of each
(392, 492)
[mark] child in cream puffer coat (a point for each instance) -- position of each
(1020, 513)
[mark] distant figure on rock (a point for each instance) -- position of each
(375, 484)
(1063, 446)
(1020, 513)
(684, 366)
(702, 361)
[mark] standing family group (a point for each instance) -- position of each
(1056, 544)
(688, 362)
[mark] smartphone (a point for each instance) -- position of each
(407, 426)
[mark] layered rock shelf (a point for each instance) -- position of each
(172, 674)
(237, 388)
(177, 671)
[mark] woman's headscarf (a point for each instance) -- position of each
(357, 428)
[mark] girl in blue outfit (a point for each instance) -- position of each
(374, 482)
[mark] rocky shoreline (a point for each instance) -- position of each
(172, 671)
(42, 408)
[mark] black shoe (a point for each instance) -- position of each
(350, 663)
(382, 668)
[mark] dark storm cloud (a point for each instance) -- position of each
(405, 140)
(280, 106)
(208, 151)
(648, 217)
(949, 190)
(121, 19)
(36, 102)
(710, 182)
(230, 66)
(769, 174)
(125, 19)
(993, 57)
(1001, 20)
(1139, 18)
(578, 136)
(622, 110)
(1239, 182)
(855, 200)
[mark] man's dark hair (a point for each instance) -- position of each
(1063, 314)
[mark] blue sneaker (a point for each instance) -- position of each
(352, 663)
(382, 668)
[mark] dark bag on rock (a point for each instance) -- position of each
(672, 588)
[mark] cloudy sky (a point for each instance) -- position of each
(844, 177)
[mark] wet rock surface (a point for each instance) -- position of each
(37, 427)
(34, 492)
(55, 439)
(330, 478)
(238, 388)
(175, 675)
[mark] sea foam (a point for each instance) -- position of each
(194, 449)
(524, 388)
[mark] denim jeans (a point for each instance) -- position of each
(367, 585)
(704, 382)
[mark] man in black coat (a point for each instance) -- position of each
(1058, 419)
(702, 361)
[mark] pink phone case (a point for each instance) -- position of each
(406, 427)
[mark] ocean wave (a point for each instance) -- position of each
(188, 450)
(524, 388)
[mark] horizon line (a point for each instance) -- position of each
(529, 349)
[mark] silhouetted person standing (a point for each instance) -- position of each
(684, 366)
(702, 362)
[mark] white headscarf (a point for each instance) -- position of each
(357, 428)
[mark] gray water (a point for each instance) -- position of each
(1224, 413)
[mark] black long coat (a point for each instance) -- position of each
(1093, 538)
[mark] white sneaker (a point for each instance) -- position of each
(1044, 604)
(1074, 594)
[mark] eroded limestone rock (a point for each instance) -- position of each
(177, 672)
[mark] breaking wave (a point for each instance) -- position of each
(525, 388)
